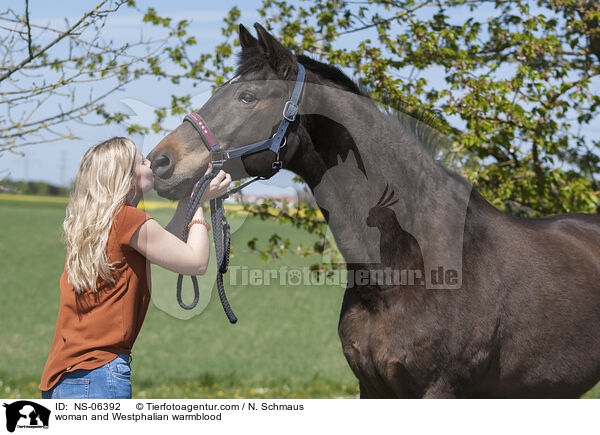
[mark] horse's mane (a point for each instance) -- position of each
(331, 73)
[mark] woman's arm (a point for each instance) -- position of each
(161, 247)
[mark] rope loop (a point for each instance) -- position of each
(221, 237)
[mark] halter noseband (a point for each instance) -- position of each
(218, 156)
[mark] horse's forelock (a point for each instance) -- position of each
(250, 60)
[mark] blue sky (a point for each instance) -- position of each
(57, 162)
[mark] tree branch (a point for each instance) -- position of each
(28, 29)
(66, 33)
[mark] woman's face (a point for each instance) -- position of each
(143, 176)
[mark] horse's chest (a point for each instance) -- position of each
(374, 346)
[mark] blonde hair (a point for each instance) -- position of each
(104, 179)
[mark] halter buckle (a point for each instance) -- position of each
(290, 110)
(217, 157)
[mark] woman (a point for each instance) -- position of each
(105, 286)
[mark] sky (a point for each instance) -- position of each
(57, 162)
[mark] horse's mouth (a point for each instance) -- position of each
(172, 191)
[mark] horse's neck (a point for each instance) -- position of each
(432, 203)
(399, 249)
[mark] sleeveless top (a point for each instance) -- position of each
(93, 328)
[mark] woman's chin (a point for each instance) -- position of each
(148, 189)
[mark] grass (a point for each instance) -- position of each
(284, 345)
(210, 387)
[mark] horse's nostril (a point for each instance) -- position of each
(162, 160)
(162, 165)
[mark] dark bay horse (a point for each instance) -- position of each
(450, 297)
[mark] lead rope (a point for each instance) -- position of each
(217, 217)
(221, 236)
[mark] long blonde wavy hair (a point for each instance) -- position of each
(104, 180)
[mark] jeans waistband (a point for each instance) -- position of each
(125, 356)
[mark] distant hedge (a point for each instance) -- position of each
(32, 188)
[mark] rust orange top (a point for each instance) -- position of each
(93, 328)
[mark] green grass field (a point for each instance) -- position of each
(284, 345)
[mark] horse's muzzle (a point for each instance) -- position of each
(162, 164)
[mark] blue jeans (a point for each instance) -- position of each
(110, 381)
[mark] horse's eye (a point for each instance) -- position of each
(247, 97)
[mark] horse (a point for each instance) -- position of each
(493, 306)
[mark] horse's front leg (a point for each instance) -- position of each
(364, 392)
(440, 390)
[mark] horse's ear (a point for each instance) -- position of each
(279, 57)
(246, 39)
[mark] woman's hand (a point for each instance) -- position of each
(217, 187)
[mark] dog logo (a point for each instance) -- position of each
(26, 414)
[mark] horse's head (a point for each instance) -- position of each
(245, 110)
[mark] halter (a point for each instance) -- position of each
(219, 157)
(221, 234)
